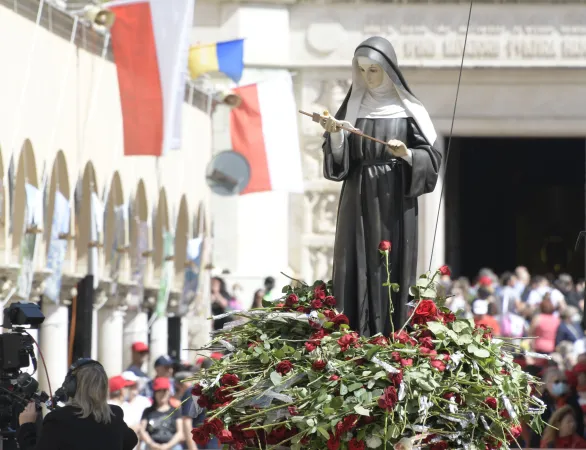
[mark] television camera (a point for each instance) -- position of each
(18, 388)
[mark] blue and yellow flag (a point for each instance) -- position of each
(226, 57)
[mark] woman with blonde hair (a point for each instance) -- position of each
(562, 432)
(86, 422)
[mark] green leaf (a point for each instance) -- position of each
(373, 351)
(395, 287)
(436, 328)
(264, 358)
(354, 386)
(460, 326)
(310, 422)
(472, 348)
(414, 291)
(276, 378)
(328, 411)
(343, 389)
(323, 432)
(263, 337)
(361, 434)
(464, 339)
(371, 384)
(380, 374)
(328, 325)
(337, 402)
(279, 354)
(385, 284)
(366, 373)
(482, 353)
(362, 410)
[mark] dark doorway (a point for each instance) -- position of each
(513, 202)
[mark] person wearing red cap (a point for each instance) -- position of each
(157, 429)
(140, 354)
(118, 387)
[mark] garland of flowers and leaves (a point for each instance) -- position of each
(296, 376)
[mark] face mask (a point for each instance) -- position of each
(559, 389)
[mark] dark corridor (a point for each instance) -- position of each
(513, 202)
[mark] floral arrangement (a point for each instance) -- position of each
(296, 376)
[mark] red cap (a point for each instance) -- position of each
(216, 356)
(117, 383)
(485, 281)
(161, 384)
(140, 347)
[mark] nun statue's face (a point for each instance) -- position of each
(373, 75)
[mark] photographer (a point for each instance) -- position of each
(87, 422)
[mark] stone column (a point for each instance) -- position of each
(111, 326)
(158, 344)
(135, 330)
(54, 345)
(428, 215)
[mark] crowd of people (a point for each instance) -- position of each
(160, 410)
(543, 315)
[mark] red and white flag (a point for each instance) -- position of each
(264, 130)
(150, 42)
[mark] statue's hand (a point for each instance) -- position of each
(397, 148)
(330, 124)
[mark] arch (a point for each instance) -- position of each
(160, 226)
(140, 239)
(182, 235)
(87, 186)
(26, 173)
(200, 227)
(59, 183)
(115, 228)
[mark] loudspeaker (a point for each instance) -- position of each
(174, 337)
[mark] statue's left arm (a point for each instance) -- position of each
(424, 165)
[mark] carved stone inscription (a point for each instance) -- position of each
(428, 33)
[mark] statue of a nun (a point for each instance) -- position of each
(378, 201)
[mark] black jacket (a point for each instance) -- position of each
(63, 429)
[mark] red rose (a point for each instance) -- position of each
(319, 293)
(252, 344)
(406, 362)
(333, 442)
(329, 314)
(279, 305)
(388, 399)
(384, 246)
(403, 338)
(448, 317)
(491, 402)
(367, 419)
(310, 347)
(213, 426)
(229, 379)
(300, 309)
(395, 378)
(225, 437)
(441, 445)
(200, 436)
(426, 342)
(293, 410)
(284, 367)
(340, 319)
(320, 334)
(505, 414)
(222, 395)
(347, 340)
(396, 356)
(204, 402)
(197, 390)
(334, 378)
(317, 304)
(319, 365)
(439, 365)
(330, 301)
(348, 423)
(516, 431)
(425, 312)
(355, 444)
(379, 340)
(444, 270)
(291, 300)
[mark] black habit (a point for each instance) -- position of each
(378, 202)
